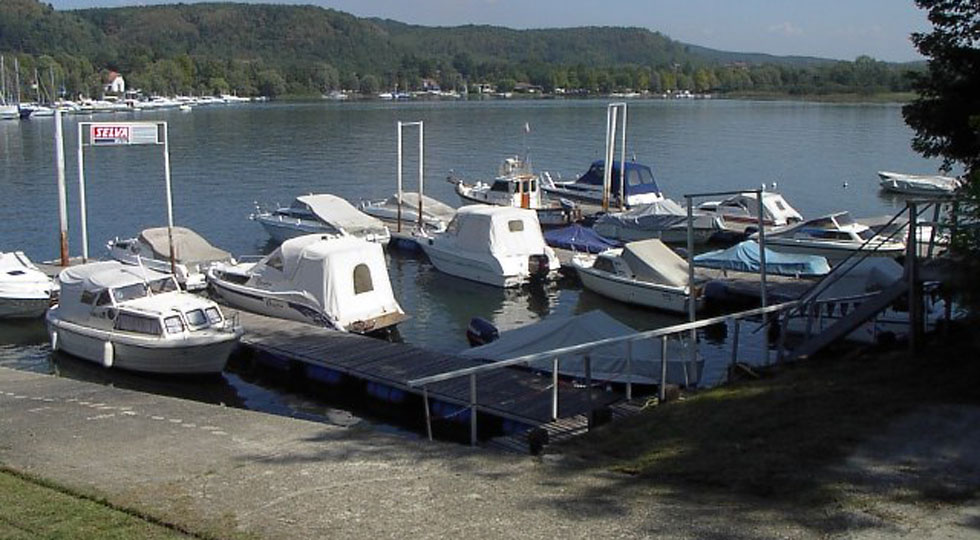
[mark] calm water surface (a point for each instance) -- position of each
(226, 158)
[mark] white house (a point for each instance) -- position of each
(116, 84)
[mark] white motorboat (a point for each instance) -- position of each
(9, 112)
(640, 187)
(496, 245)
(834, 236)
(320, 214)
(743, 208)
(516, 186)
(918, 184)
(435, 214)
(192, 254)
(608, 363)
(25, 292)
(664, 220)
(646, 273)
(137, 319)
(339, 282)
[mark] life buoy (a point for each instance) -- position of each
(108, 354)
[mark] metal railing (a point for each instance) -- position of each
(584, 350)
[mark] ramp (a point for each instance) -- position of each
(865, 312)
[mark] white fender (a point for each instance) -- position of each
(54, 341)
(108, 354)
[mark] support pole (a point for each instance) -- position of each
(428, 414)
(473, 409)
(554, 388)
(629, 370)
(170, 200)
(622, 162)
(421, 170)
(738, 326)
(662, 390)
(762, 275)
(692, 298)
(81, 195)
(399, 220)
(588, 387)
(910, 271)
(59, 158)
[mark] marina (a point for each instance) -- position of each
(438, 305)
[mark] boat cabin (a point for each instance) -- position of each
(640, 188)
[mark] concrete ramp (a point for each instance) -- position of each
(865, 312)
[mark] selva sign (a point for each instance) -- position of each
(111, 135)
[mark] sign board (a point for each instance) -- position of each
(124, 133)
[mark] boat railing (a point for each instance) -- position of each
(584, 351)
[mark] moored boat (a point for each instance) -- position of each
(640, 186)
(834, 236)
(435, 214)
(133, 318)
(664, 220)
(918, 184)
(192, 254)
(320, 214)
(25, 292)
(743, 208)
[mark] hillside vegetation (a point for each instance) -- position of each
(273, 50)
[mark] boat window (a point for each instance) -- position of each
(174, 324)
(605, 265)
(129, 292)
(823, 223)
(164, 285)
(362, 279)
(104, 299)
(866, 234)
(213, 315)
(16, 273)
(275, 261)
(844, 219)
(502, 186)
(636, 176)
(779, 205)
(128, 322)
(734, 204)
(533, 185)
(515, 225)
(88, 297)
(196, 318)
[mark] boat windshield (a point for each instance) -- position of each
(866, 234)
(844, 219)
(129, 292)
(164, 285)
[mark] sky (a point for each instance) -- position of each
(840, 29)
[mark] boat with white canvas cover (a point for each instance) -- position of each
(192, 254)
(664, 220)
(834, 236)
(918, 184)
(137, 319)
(515, 185)
(640, 186)
(497, 245)
(435, 214)
(743, 208)
(338, 282)
(320, 214)
(25, 292)
(646, 273)
(608, 363)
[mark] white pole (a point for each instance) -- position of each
(692, 299)
(59, 158)
(607, 167)
(421, 163)
(762, 275)
(622, 164)
(81, 192)
(170, 201)
(399, 176)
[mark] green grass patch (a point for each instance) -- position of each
(29, 509)
(773, 436)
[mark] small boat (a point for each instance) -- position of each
(192, 254)
(744, 208)
(320, 214)
(646, 273)
(917, 184)
(663, 219)
(579, 239)
(9, 112)
(25, 292)
(137, 319)
(834, 236)
(338, 282)
(744, 257)
(435, 214)
(496, 245)
(515, 185)
(608, 363)
(640, 188)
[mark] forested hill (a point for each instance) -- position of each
(277, 49)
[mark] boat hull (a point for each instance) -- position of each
(23, 307)
(640, 293)
(280, 230)
(196, 355)
(833, 253)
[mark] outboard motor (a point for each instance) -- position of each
(481, 331)
(537, 266)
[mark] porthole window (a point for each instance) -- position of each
(515, 225)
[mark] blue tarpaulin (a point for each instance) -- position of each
(579, 238)
(744, 257)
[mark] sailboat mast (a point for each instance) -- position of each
(3, 83)
(17, 78)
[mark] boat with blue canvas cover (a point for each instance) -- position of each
(640, 186)
(744, 257)
(579, 239)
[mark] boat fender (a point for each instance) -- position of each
(481, 331)
(54, 341)
(108, 354)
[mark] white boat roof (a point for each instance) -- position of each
(340, 213)
(106, 274)
(484, 228)
(651, 260)
(189, 247)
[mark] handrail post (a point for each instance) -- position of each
(629, 370)
(783, 328)
(472, 409)
(738, 326)
(554, 388)
(910, 271)
(662, 391)
(762, 274)
(692, 300)
(428, 414)
(588, 387)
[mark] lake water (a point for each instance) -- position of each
(823, 158)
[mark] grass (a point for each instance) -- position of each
(773, 436)
(34, 509)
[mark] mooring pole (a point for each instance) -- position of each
(81, 195)
(662, 391)
(554, 388)
(59, 158)
(472, 409)
(421, 169)
(170, 198)
(692, 295)
(399, 176)
(731, 369)
(762, 275)
(910, 271)
(629, 370)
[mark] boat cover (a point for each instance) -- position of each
(189, 247)
(483, 228)
(862, 276)
(430, 206)
(639, 178)
(744, 257)
(608, 363)
(342, 215)
(579, 238)
(657, 216)
(326, 267)
(651, 260)
(95, 277)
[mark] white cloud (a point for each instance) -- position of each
(785, 28)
